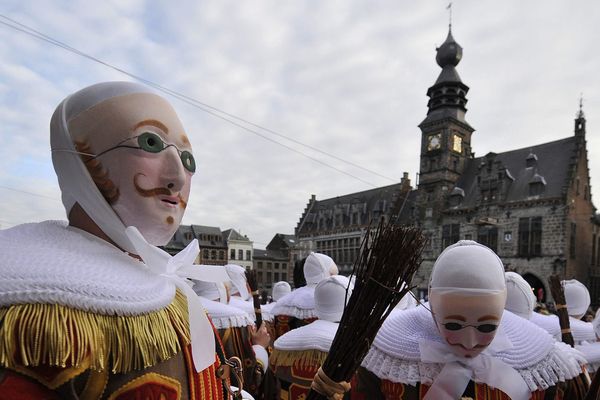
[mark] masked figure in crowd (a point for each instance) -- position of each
(462, 343)
(298, 308)
(240, 293)
(298, 354)
(280, 289)
(92, 309)
(239, 335)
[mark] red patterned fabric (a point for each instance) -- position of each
(16, 386)
(203, 385)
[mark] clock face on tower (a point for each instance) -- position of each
(433, 142)
(457, 143)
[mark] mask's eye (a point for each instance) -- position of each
(150, 142)
(487, 328)
(453, 326)
(188, 161)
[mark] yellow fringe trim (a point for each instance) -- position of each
(54, 335)
(301, 358)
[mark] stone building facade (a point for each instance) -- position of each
(276, 262)
(531, 205)
(213, 248)
(239, 248)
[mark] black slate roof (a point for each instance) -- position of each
(372, 202)
(549, 165)
(274, 255)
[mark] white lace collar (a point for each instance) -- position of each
(225, 316)
(300, 303)
(395, 354)
(49, 262)
(318, 335)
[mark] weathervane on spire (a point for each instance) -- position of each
(580, 113)
(449, 8)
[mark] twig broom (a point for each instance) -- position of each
(388, 259)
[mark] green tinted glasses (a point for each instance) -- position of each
(153, 143)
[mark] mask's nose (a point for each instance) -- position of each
(469, 338)
(173, 172)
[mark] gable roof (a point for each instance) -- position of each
(369, 204)
(232, 234)
(549, 165)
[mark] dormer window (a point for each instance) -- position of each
(489, 191)
(537, 185)
(456, 197)
(531, 160)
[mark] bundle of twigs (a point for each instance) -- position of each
(561, 309)
(577, 387)
(388, 259)
(253, 283)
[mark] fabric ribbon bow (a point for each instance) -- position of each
(178, 269)
(452, 381)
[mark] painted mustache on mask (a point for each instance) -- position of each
(155, 191)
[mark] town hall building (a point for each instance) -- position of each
(531, 205)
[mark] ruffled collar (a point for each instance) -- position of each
(318, 335)
(50, 262)
(300, 303)
(225, 316)
(395, 354)
(582, 331)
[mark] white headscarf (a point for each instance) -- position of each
(459, 269)
(280, 289)
(318, 267)
(237, 274)
(577, 297)
(520, 299)
(74, 180)
(330, 295)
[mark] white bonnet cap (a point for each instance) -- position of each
(318, 267)
(280, 289)
(74, 180)
(468, 266)
(520, 299)
(577, 297)
(237, 274)
(330, 295)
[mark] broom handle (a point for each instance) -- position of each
(253, 283)
(257, 310)
(561, 309)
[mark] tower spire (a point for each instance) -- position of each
(449, 8)
(580, 120)
(580, 113)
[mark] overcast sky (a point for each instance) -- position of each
(347, 77)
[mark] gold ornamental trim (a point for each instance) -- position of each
(32, 335)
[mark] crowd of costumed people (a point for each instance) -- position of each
(94, 308)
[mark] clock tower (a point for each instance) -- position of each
(445, 134)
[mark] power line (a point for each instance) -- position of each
(214, 111)
(201, 106)
(29, 193)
